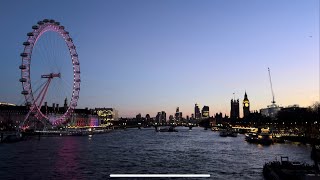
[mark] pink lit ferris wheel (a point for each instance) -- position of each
(50, 73)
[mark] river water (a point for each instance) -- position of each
(142, 151)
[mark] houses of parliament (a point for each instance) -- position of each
(235, 110)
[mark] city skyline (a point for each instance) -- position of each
(162, 55)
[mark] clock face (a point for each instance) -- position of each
(246, 104)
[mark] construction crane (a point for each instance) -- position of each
(273, 102)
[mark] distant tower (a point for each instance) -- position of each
(57, 108)
(246, 106)
(163, 117)
(65, 105)
(234, 112)
(178, 115)
(197, 113)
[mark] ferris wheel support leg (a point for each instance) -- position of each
(45, 92)
(25, 119)
(42, 94)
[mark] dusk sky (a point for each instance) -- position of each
(146, 56)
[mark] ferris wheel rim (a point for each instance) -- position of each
(37, 32)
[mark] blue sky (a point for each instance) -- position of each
(147, 56)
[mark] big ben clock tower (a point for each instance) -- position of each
(246, 106)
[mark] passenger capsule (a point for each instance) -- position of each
(61, 27)
(26, 43)
(23, 80)
(73, 47)
(22, 67)
(66, 32)
(78, 80)
(40, 22)
(30, 34)
(24, 54)
(75, 55)
(77, 63)
(52, 21)
(78, 72)
(35, 27)
(46, 20)
(24, 92)
(69, 39)
(77, 89)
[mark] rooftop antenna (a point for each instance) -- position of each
(234, 97)
(273, 102)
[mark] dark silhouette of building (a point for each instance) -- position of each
(158, 118)
(246, 106)
(11, 116)
(219, 118)
(178, 115)
(163, 117)
(197, 113)
(205, 112)
(138, 116)
(65, 105)
(148, 117)
(234, 112)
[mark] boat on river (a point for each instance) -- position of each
(165, 129)
(228, 132)
(286, 169)
(315, 152)
(262, 138)
(12, 138)
(223, 133)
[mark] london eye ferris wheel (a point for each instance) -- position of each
(50, 71)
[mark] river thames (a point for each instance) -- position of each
(143, 151)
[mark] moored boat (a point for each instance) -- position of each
(223, 133)
(315, 152)
(286, 169)
(228, 132)
(166, 129)
(233, 134)
(262, 138)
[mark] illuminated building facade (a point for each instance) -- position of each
(270, 111)
(205, 112)
(11, 116)
(106, 115)
(82, 118)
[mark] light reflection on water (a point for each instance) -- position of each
(142, 151)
